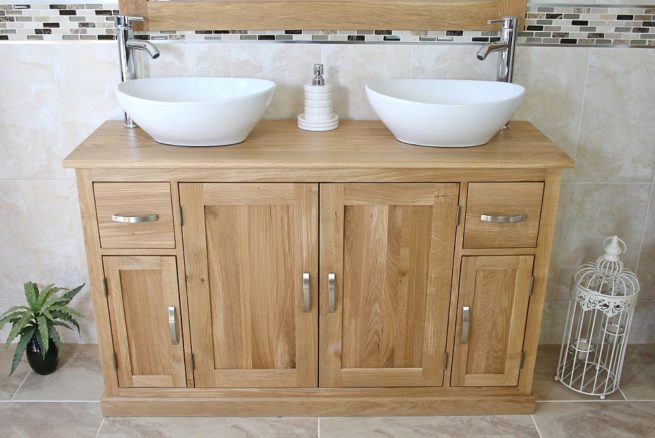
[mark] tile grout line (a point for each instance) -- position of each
(318, 427)
(535, 425)
(100, 427)
(21, 385)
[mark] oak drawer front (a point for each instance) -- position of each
(134, 215)
(503, 215)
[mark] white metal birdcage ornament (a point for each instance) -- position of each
(603, 299)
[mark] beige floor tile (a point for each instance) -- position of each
(545, 388)
(200, 427)
(595, 419)
(52, 420)
(638, 378)
(77, 378)
(433, 427)
(9, 384)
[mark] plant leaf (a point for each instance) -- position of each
(54, 335)
(67, 297)
(31, 294)
(42, 324)
(14, 309)
(46, 293)
(64, 316)
(18, 327)
(15, 316)
(21, 346)
(67, 310)
(63, 324)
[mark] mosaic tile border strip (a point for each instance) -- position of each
(545, 25)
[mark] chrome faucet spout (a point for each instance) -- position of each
(489, 48)
(146, 46)
(506, 46)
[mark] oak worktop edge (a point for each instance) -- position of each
(279, 144)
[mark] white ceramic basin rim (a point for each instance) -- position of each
(444, 113)
(196, 111)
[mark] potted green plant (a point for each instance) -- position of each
(35, 325)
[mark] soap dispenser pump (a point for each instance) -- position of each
(318, 115)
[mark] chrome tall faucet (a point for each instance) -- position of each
(506, 46)
(126, 47)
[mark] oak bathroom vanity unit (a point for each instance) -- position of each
(301, 273)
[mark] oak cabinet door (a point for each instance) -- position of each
(386, 264)
(493, 302)
(249, 250)
(144, 305)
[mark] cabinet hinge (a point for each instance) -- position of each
(193, 361)
(114, 361)
(531, 286)
(105, 289)
(522, 360)
(181, 217)
(445, 360)
(458, 213)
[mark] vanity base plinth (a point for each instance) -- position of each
(315, 405)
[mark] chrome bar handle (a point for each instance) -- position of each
(504, 219)
(306, 297)
(466, 324)
(172, 325)
(331, 291)
(137, 219)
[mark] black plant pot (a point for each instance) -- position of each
(39, 364)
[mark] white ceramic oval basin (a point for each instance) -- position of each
(196, 111)
(443, 113)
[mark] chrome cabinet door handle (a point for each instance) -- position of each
(504, 219)
(172, 325)
(306, 297)
(137, 219)
(331, 286)
(466, 324)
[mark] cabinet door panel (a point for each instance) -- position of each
(495, 289)
(246, 248)
(390, 247)
(140, 292)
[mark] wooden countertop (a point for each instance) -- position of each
(280, 144)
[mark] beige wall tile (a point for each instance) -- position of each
(553, 321)
(587, 214)
(452, 62)
(29, 125)
(41, 240)
(290, 66)
(349, 67)
(643, 324)
(554, 80)
(86, 93)
(646, 269)
(616, 140)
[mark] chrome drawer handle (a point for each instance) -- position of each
(466, 324)
(125, 219)
(172, 325)
(306, 297)
(504, 219)
(331, 286)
